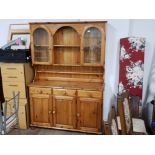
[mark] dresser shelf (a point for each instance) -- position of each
(67, 46)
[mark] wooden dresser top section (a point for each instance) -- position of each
(59, 75)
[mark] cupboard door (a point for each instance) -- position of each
(41, 107)
(92, 46)
(64, 108)
(89, 114)
(41, 46)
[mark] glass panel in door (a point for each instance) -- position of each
(92, 46)
(41, 45)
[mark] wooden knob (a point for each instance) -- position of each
(78, 114)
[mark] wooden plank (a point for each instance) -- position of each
(60, 72)
(23, 120)
(73, 22)
(76, 46)
(71, 79)
(29, 73)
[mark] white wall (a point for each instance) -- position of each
(4, 25)
(146, 28)
(116, 29)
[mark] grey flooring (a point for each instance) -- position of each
(42, 131)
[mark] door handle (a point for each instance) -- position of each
(78, 115)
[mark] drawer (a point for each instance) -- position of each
(9, 87)
(36, 90)
(12, 69)
(64, 92)
(89, 94)
(12, 78)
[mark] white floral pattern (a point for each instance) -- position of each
(127, 114)
(121, 88)
(137, 43)
(135, 73)
(124, 55)
(114, 127)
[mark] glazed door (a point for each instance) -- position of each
(64, 108)
(41, 46)
(93, 46)
(89, 114)
(40, 108)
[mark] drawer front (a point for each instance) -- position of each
(35, 90)
(64, 92)
(13, 78)
(90, 94)
(12, 69)
(9, 87)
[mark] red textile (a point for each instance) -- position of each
(131, 65)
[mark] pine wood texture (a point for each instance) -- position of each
(63, 43)
(16, 77)
(69, 68)
(123, 117)
(89, 114)
(40, 108)
(64, 111)
(23, 112)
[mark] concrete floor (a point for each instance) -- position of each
(42, 131)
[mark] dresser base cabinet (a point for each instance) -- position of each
(64, 109)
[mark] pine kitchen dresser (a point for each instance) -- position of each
(67, 91)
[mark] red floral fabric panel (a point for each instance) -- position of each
(131, 65)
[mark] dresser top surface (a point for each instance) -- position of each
(70, 22)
